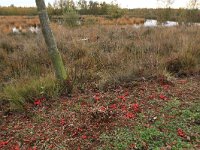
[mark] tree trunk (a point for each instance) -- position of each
(56, 59)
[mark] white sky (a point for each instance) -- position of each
(123, 3)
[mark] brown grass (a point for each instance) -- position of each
(118, 21)
(24, 22)
(20, 22)
(111, 53)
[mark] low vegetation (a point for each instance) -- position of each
(111, 10)
(103, 55)
(127, 89)
(153, 114)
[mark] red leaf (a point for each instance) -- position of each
(37, 102)
(51, 146)
(96, 97)
(2, 144)
(16, 147)
(135, 107)
(84, 137)
(180, 132)
(163, 97)
(126, 94)
(152, 96)
(165, 87)
(62, 121)
(123, 98)
(129, 115)
(102, 108)
(80, 129)
(113, 106)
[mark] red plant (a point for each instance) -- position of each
(37, 102)
(62, 121)
(122, 97)
(166, 87)
(34, 148)
(80, 129)
(16, 147)
(51, 146)
(84, 137)
(96, 97)
(152, 96)
(2, 143)
(180, 132)
(129, 115)
(113, 106)
(77, 131)
(135, 107)
(126, 93)
(163, 97)
(102, 108)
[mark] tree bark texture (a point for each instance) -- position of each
(55, 56)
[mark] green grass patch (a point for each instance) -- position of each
(20, 92)
(119, 139)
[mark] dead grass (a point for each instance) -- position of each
(20, 22)
(110, 55)
(88, 20)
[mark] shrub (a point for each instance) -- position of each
(115, 11)
(184, 63)
(71, 18)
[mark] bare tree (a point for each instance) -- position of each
(165, 3)
(56, 59)
(164, 14)
(193, 4)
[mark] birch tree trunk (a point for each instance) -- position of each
(54, 54)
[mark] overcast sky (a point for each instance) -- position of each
(123, 3)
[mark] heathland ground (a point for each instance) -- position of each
(133, 88)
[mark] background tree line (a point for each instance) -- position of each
(164, 14)
(83, 7)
